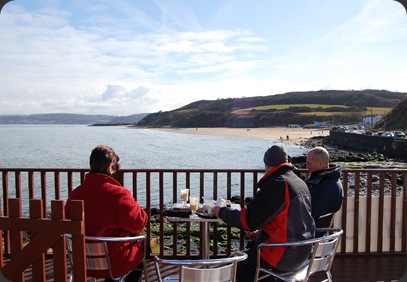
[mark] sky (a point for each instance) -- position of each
(126, 57)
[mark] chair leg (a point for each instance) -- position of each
(145, 272)
(256, 275)
(329, 277)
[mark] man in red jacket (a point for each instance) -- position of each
(279, 212)
(110, 211)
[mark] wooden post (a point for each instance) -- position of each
(3, 247)
(78, 243)
(38, 267)
(59, 249)
(16, 237)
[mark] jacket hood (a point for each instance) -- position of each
(333, 171)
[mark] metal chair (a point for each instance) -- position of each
(321, 257)
(97, 255)
(324, 221)
(325, 218)
(209, 270)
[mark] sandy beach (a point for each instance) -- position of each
(285, 134)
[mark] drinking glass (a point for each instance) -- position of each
(193, 203)
(184, 196)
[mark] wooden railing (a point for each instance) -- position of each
(45, 234)
(373, 215)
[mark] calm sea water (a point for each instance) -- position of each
(69, 146)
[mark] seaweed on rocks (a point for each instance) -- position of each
(346, 157)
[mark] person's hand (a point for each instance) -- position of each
(215, 210)
(252, 235)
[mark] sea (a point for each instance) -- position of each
(69, 146)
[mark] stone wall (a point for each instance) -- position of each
(388, 146)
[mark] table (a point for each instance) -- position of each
(204, 230)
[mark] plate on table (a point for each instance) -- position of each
(180, 206)
(205, 215)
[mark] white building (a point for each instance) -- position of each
(294, 126)
(371, 120)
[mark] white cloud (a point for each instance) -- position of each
(123, 58)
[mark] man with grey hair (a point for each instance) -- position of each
(325, 186)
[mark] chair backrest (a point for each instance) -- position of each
(324, 221)
(97, 252)
(325, 250)
(327, 220)
(320, 259)
(224, 273)
(201, 270)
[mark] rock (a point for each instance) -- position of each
(339, 154)
(235, 199)
(375, 178)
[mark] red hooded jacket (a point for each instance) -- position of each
(111, 211)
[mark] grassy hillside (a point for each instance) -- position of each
(318, 109)
(62, 118)
(334, 106)
(396, 119)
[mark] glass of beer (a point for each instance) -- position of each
(184, 196)
(193, 204)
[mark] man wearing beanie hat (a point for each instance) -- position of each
(279, 212)
(275, 155)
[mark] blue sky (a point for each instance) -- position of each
(125, 57)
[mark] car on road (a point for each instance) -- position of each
(378, 133)
(399, 134)
(387, 134)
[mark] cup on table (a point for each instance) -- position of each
(193, 204)
(184, 196)
(207, 206)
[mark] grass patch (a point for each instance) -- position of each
(317, 107)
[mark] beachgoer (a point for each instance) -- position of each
(111, 211)
(325, 186)
(280, 211)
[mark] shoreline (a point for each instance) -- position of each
(293, 136)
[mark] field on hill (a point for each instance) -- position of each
(339, 106)
(317, 109)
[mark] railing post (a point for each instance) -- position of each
(78, 243)
(16, 237)
(38, 267)
(59, 248)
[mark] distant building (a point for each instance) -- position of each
(318, 124)
(371, 120)
(294, 125)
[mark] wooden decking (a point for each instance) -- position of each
(368, 268)
(346, 268)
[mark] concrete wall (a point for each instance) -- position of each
(388, 146)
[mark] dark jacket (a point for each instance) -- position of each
(281, 210)
(326, 193)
